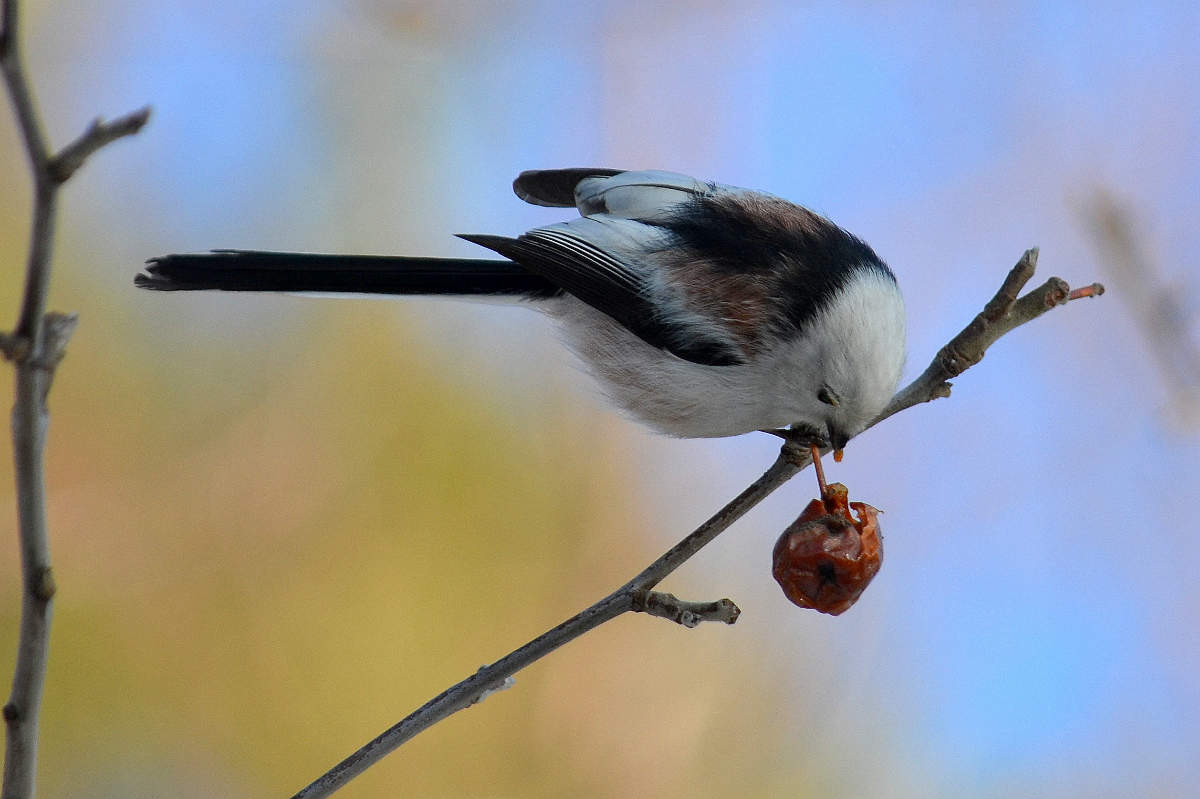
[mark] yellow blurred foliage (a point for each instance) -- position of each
(267, 554)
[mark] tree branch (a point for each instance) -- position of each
(98, 134)
(35, 347)
(680, 611)
(1004, 312)
(633, 595)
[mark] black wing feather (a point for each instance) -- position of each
(555, 188)
(595, 277)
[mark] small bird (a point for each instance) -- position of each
(703, 310)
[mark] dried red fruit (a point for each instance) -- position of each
(826, 558)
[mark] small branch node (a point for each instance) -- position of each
(58, 330)
(795, 452)
(58, 327)
(689, 614)
(1055, 292)
(14, 347)
(44, 587)
(500, 685)
(953, 363)
(1049, 295)
(12, 713)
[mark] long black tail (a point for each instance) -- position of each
(249, 270)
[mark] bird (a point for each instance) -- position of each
(703, 310)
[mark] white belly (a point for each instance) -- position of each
(674, 396)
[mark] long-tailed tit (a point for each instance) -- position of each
(703, 310)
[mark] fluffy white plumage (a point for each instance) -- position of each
(702, 309)
(853, 346)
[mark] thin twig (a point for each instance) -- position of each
(626, 598)
(1004, 312)
(98, 134)
(689, 614)
(35, 347)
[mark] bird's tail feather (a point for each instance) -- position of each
(249, 270)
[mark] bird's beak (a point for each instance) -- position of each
(837, 440)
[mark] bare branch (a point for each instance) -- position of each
(35, 347)
(98, 134)
(689, 614)
(18, 88)
(790, 461)
(1004, 312)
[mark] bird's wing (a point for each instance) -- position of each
(644, 194)
(647, 195)
(601, 260)
(555, 188)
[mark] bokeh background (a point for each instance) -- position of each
(279, 524)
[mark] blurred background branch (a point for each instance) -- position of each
(1158, 304)
(1007, 310)
(35, 348)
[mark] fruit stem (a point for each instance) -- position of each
(816, 458)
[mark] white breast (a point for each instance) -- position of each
(856, 346)
(674, 396)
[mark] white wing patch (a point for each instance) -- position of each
(636, 195)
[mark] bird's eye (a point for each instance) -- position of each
(827, 396)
